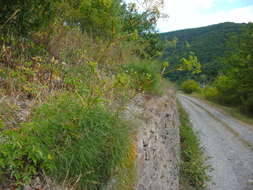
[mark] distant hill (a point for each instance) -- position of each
(208, 43)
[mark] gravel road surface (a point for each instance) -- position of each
(227, 141)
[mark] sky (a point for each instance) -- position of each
(196, 13)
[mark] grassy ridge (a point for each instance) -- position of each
(193, 171)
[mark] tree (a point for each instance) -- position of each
(97, 17)
(190, 64)
(25, 16)
(235, 84)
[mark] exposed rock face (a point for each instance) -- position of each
(158, 142)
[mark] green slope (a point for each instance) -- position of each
(208, 43)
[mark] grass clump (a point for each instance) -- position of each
(193, 171)
(126, 174)
(66, 140)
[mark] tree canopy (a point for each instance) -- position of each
(24, 16)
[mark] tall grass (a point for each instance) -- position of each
(69, 142)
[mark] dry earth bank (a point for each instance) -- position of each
(158, 139)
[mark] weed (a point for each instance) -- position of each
(125, 175)
(145, 75)
(193, 171)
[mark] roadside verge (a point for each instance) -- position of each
(193, 167)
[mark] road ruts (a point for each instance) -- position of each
(228, 143)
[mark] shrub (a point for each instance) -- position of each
(67, 141)
(210, 93)
(227, 90)
(247, 106)
(190, 86)
(145, 75)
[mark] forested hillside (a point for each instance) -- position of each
(224, 53)
(209, 44)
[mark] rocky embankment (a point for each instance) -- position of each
(158, 141)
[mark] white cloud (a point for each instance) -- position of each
(196, 4)
(194, 13)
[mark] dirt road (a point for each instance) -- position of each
(228, 143)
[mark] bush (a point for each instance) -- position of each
(190, 86)
(210, 93)
(145, 76)
(247, 105)
(67, 141)
(227, 90)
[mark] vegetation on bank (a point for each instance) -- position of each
(65, 77)
(66, 139)
(193, 168)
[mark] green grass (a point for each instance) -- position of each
(68, 141)
(193, 170)
(126, 174)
